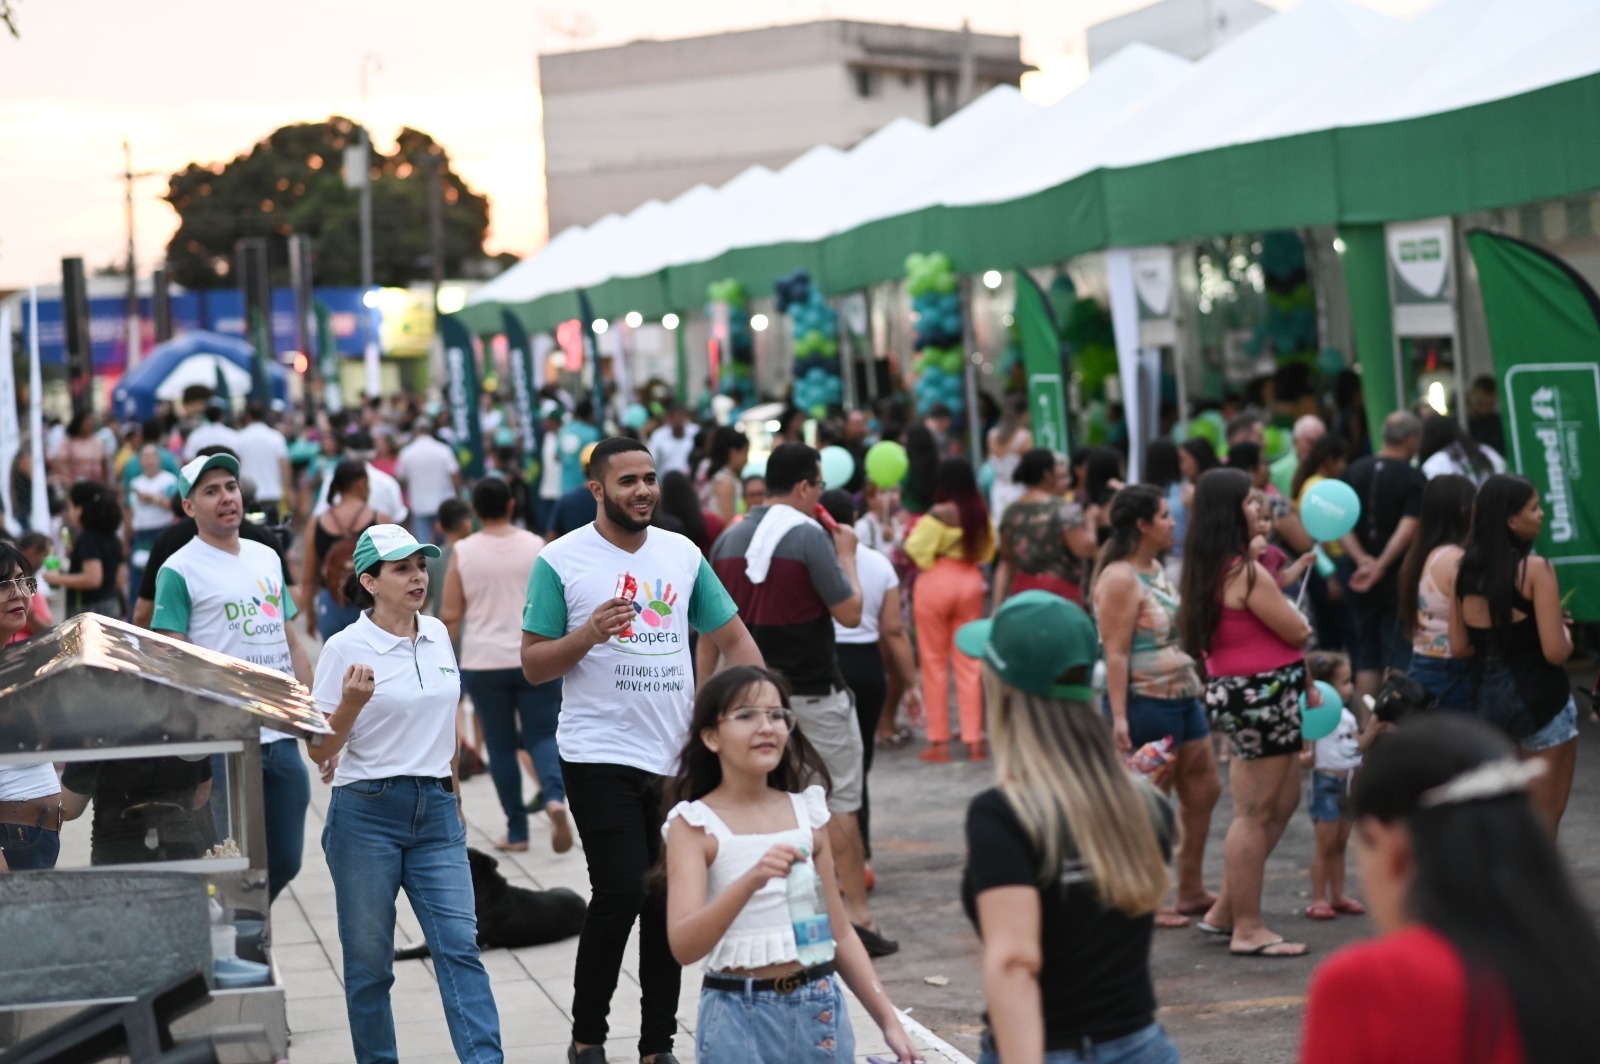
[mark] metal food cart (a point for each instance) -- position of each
(95, 692)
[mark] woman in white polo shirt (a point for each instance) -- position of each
(389, 686)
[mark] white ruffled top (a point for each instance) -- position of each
(761, 934)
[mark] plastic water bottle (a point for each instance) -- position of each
(808, 912)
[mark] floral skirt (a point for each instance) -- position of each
(1259, 714)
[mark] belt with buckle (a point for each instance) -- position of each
(783, 984)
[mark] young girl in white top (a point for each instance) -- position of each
(1335, 759)
(741, 822)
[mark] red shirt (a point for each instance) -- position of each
(1402, 997)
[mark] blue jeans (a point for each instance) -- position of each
(422, 527)
(29, 849)
(807, 1026)
(503, 698)
(1153, 719)
(380, 836)
(1149, 1046)
(333, 618)
(286, 792)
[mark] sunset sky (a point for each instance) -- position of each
(186, 80)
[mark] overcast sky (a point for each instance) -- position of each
(198, 80)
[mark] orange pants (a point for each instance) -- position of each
(948, 596)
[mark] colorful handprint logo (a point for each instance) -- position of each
(657, 612)
(271, 601)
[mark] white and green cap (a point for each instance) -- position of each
(388, 543)
(190, 474)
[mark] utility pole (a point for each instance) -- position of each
(435, 162)
(372, 60)
(135, 349)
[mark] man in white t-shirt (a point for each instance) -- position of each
(673, 443)
(549, 467)
(431, 474)
(263, 459)
(628, 686)
(227, 594)
(212, 432)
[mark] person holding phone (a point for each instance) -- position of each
(389, 686)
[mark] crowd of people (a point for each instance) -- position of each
(693, 656)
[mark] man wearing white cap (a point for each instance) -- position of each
(227, 594)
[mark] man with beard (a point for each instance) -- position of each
(609, 608)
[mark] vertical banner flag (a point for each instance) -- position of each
(1125, 325)
(591, 354)
(260, 376)
(1044, 360)
(39, 506)
(462, 372)
(10, 431)
(328, 360)
(1544, 327)
(519, 361)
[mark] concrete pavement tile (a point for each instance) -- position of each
(321, 1047)
(314, 985)
(550, 961)
(324, 1013)
(301, 957)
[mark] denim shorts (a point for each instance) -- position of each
(1563, 728)
(29, 849)
(1380, 641)
(1447, 679)
(1147, 1046)
(805, 1026)
(1153, 719)
(1330, 796)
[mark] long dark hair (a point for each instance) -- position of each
(1487, 877)
(1328, 447)
(1492, 564)
(1101, 465)
(1135, 503)
(1440, 433)
(700, 771)
(1445, 520)
(1204, 455)
(922, 457)
(678, 498)
(956, 483)
(1216, 540)
(347, 474)
(724, 442)
(1161, 466)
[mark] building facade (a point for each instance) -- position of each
(652, 119)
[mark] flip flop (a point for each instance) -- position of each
(1266, 948)
(1320, 911)
(1169, 918)
(1213, 929)
(1349, 907)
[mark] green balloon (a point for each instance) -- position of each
(887, 463)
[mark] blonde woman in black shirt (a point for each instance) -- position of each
(1067, 856)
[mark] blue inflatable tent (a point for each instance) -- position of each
(193, 358)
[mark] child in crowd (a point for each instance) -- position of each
(746, 814)
(1334, 760)
(1271, 556)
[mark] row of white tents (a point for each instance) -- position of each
(1325, 114)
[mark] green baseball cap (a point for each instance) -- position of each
(1032, 639)
(388, 543)
(190, 474)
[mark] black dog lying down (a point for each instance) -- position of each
(510, 917)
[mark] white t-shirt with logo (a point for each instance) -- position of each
(877, 576)
(1341, 750)
(234, 604)
(428, 468)
(261, 450)
(408, 726)
(627, 702)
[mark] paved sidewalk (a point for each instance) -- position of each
(533, 987)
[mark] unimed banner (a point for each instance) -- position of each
(462, 374)
(1042, 358)
(1544, 325)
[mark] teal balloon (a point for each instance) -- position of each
(838, 466)
(887, 463)
(1319, 722)
(635, 416)
(1329, 509)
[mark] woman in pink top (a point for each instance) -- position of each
(1236, 621)
(485, 588)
